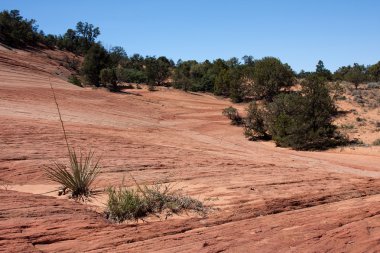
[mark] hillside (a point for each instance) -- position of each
(267, 198)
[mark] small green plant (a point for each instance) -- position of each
(124, 204)
(130, 204)
(376, 142)
(74, 80)
(233, 114)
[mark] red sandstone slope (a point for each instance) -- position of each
(270, 199)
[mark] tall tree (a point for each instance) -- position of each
(94, 61)
(322, 71)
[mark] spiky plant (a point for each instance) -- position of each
(78, 176)
(82, 171)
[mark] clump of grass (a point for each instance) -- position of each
(130, 204)
(78, 177)
(82, 171)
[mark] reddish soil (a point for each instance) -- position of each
(269, 199)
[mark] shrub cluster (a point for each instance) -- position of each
(129, 204)
(300, 120)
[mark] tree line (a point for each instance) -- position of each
(301, 119)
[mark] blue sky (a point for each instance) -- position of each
(299, 32)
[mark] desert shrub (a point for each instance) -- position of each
(124, 204)
(336, 90)
(376, 142)
(254, 124)
(129, 204)
(303, 120)
(109, 79)
(74, 80)
(233, 114)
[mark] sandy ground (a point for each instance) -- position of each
(270, 199)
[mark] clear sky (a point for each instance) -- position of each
(299, 32)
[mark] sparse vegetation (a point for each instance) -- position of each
(74, 80)
(376, 142)
(298, 119)
(233, 114)
(133, 204)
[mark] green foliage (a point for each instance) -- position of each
(303, 120)
(374, 72)
(78, 177)
(130, 75)
(124, 204)
(94, 61)
(117, 56)
(304, 74)
(129, 204)
(15, 31)
(321, 71)
(356, 75)
(74, 80)
(270, 76)
(157, 70)
(233, 114)
(254, 124)
(108, 78)
(80, 40)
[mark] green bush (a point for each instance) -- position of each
(129, 204)
(254, 124)
(303, 120)
(108, 78)
(233, 114)
(124, 204)
(74, 80)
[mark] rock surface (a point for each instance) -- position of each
(269, 199)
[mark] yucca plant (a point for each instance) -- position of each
(82, 171)
(78, 176)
